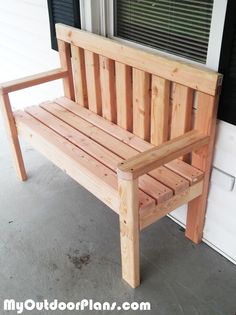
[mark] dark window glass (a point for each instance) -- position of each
(180, 27)
(227, 108)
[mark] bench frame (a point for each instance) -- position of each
(199, 142)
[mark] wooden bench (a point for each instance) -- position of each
(136, 129)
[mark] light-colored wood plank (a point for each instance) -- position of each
(124, 96)
(96, 143)
(182, 108)
(87, 171)
(205, 122)
(129, 232)
(181, 121)
(193, 175)
(93, 82)
(50, 115)
(114, 130)
(79, 76)
(107, 80)
(170, 179)
(166, 152)
(160, 110)
(13, 136)
(141, 104)
(119, 133)
(163, 175)
(26, 82)
(149, 217)
(196, 77)
(86, 127)
(65, 59)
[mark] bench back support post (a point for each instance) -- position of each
(202, 159)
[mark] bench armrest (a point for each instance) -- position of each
(144, 162)
(29, 81)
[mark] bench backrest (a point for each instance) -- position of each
(155, 97)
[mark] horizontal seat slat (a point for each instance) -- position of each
(147, 184)
(114, 130)
(149, 217)
(87, 171)
(190, 173)
(175, 182)
(127, 137)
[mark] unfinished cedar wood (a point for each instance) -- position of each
(135, 129)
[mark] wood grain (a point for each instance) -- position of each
(65, 60)
(153, 158)
(160, 110)
(93, 82)
(129, 232)
(13, 136)
(141, 104)
(196, 77)
(124, 96)
(205, 122)
(79, 76)
(32, 80)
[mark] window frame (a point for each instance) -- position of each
(106, 28)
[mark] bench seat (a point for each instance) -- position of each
(89, 148)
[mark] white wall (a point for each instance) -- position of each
(220, 227)
(25, 49)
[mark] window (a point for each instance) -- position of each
(63, 11)
(180, 27)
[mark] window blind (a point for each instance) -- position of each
(180, 27)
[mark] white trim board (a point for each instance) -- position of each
(206, 241)
(215, 39)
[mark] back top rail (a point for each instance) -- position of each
(192, 76)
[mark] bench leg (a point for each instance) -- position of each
(196, 214)
(13, 136)
(202, 159)
(195, 219)
(129, 231)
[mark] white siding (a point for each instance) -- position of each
(25, 49)
(220, 227)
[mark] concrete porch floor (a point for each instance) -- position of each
(59, 241)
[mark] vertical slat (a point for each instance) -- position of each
(160, 110)
(13, 136)
(79, 76)
(65, 59)
(181, 121)
(202, 159)
(141, 104)
(129, 231)
(124, 96)
(181, 116)
(107, 78)
(93, 82)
